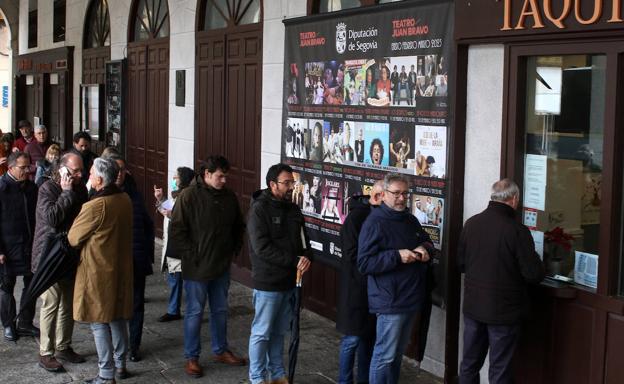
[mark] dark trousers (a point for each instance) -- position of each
(8, 306)
(136, 323)
(501, 341)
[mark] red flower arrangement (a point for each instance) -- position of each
(558, 237)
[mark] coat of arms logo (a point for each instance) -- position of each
(341, 37)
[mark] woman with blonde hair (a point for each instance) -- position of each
(44, 166)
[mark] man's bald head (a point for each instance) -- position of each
(376, 193)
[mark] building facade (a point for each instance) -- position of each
(537, 96)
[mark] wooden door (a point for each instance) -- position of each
(228, 111)
(148, 116)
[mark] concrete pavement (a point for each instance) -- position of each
(162, 347)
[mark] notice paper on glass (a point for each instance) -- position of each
(535, 168)
(586, 269)
(538, 239)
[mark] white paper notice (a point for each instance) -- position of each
(535, 181)
(530, 218)
(538, 238)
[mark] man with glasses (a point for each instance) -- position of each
(278, 248)
(18, 201)
(37, 148)
(60, 199)
(207, 228)
(393, 251)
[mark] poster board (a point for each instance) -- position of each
(367, 93)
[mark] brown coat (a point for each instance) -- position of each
(103, 231)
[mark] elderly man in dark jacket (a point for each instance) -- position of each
(142, 256)
(354, 319)
(18, 200)
(59, 202)
(279, 247)
(206, 230)
(497, 253)
(393, 250)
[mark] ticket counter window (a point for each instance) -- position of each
(563, 162)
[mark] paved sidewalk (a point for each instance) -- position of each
(163, 360)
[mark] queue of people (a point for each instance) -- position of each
(385, 271)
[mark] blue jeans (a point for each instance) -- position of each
(349, 346)
(393, 333)
(111, 343)
(266, 343)
(175, 296)
(216, 291)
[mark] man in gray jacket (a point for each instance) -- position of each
(58, 204)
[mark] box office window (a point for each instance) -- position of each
(563, 162)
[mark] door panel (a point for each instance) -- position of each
(148, 117)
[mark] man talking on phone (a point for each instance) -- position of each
(59, 202)
(393, 250)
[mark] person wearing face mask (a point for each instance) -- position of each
(173, 266)
(279, 246)
(18, 201)
(393, 251)
(207, 231)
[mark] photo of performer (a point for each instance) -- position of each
(376, 151)
(292, 96)
(394, 82)
(333, 83)
(316, 149)
(423, 164)
(399, 150)
(308, 202)
(314, 82)
(346, 149)
(384, 86)
(359, 146)
(315, 194)
(330, 208)
(371, 85)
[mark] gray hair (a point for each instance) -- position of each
(504, 190)
(107, 169)
(41, 127)
(14, 156)
(391, 178)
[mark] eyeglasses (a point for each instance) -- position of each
(23, 167)
(286, 182)
(396, 194)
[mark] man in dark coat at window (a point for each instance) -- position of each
(18, 201)
(354, 320)
(497, 254)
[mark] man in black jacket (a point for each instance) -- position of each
(59, 202)
(206, 231)
(354, 319)
(279, 247)
(497, 253)
(18, 200)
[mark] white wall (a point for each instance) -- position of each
(484, 111)
(273, 76)
(182, 57)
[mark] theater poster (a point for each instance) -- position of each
(366, 93)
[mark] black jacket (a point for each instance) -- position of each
(205, 231)
(142, 230)
(498, 256)
(18, 201)
(277, 238)
(56, 211)
(353, 317)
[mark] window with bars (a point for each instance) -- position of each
(228, 13)
(151, 20)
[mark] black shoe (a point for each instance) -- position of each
(134, 355)
(10, 334)
(168, 317)
(99, 380)
(121, 373)
(28, 330)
